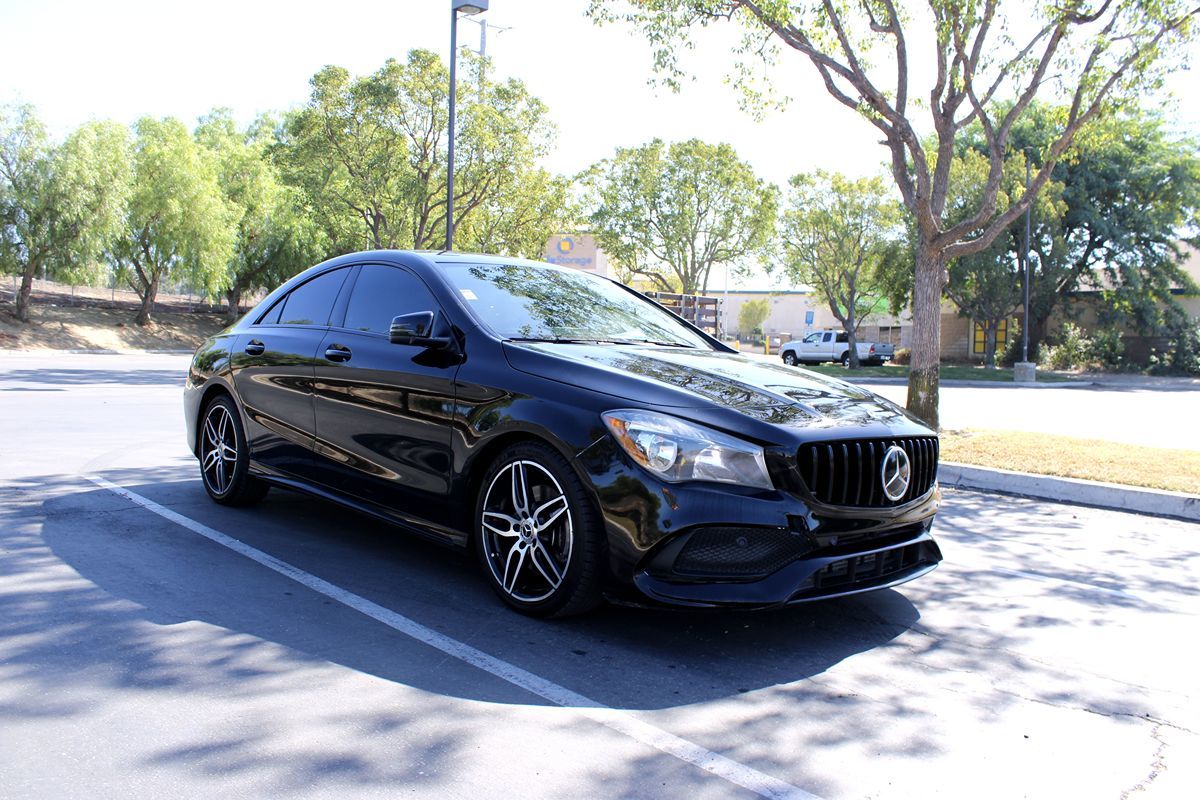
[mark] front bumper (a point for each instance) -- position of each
(707, 545)
(817, 574)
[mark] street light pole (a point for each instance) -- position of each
(1025, 260)
(469, 7)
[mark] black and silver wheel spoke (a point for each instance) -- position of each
(218, 456)
(526, 531)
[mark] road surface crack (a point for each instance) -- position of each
(1158, 764)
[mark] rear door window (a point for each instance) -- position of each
(312, 302)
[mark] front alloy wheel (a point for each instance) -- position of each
(536, 533)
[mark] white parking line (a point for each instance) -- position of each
(621, 721)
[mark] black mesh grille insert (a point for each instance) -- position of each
(739, 552)
(866, 569)
(848, 473)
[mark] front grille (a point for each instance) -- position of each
(866, 569)
(847, 473)
(739, 552)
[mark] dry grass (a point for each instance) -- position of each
(72, 328)
(1067, 456)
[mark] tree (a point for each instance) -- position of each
(370, 152)
(275, 237)
(1096, 55)
(837, 237)
(177, 222)
(519, 217)
(753, 314)
(59, 206)
(672, 213)
(1123, 197)
(988, 286)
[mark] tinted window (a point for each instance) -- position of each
(381, 293)
(272, 316)
(312, 303)
(523, 301)
(843, 338)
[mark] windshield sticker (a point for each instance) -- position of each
(468, 294)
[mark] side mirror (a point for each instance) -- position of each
(417, 329)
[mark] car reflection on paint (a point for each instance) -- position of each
(581, 440)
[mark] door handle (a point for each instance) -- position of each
(336, 352)
(255, 348)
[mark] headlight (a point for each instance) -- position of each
(677, 450)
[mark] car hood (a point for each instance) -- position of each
(700, 379)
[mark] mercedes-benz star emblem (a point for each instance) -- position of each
(895, 472)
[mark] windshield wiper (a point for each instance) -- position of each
(561, 340)
(654, 342)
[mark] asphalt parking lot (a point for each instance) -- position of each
(153, 644)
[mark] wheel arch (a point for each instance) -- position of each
(211, 391)
(486, 455)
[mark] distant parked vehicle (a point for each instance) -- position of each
(821, 346)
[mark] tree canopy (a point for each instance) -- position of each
(274, 234)
(177, 221)
(838, 236)
(670, 213)
(991, 63)
(369, 152)
(59, 206)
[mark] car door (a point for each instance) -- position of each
(383, 410)
(272, 365)
(808, 348)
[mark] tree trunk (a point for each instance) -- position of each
(148, 295)
(233, 296)
(929, 279)
(852, 339)
(25, 291)
(989, 343)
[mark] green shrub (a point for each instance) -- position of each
(1012, 351)
(1183, 352)
(1107, 350)
(1072, 351)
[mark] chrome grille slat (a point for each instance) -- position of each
(846, 473)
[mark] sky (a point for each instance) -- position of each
(124, 59)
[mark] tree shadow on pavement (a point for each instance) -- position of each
(99, 587)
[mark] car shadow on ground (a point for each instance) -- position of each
(622, 657)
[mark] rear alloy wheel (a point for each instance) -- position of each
(224, 456)
(537, 535)
(789, 358)
(846, 359)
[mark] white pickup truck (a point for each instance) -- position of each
(822, 346)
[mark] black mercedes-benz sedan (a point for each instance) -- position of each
(582, 440)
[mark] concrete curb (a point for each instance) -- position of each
(868, 381)
(1155, 502)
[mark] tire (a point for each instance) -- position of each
(225, 456)
(790, 359)
(540, 560)
(846, 359)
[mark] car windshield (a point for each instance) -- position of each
(526, 302)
